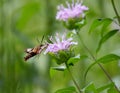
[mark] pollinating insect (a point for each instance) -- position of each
(31, 52)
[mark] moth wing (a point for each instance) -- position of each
(28, 50)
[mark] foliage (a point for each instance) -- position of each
(97, 34)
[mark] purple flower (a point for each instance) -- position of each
(74, 10)
(59, 43)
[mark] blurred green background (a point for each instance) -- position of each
(23, 21)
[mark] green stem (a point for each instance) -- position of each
(106, 73)
(118, 17)
(77, 86)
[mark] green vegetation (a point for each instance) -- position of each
(23, 24)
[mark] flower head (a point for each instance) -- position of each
(74, 10)
(59, 43)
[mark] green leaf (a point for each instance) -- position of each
(73, 60)
(95, 24)
(106, 37)
(106, 23)
(67, 90)
(98, 22)
(112, 90)
(79, 25)
(108, 58)
(90, 88)
(102, 88)
(74, 23)
(52, 72)
(60, 68)
(104, 59)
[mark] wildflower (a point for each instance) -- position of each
(59, 44)
(59, 49)
(74, 10)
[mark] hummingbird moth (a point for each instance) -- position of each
(31, 52)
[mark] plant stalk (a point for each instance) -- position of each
(77, 86)
(118, 17)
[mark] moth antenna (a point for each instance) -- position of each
(37, 39)
(42, 39)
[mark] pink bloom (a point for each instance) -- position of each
(59, 44)
(74, 10)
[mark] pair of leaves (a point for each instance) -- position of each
(106, 37)
(110, 88)
(98, 22)
(105, 23)
(90, 88)
(71, 60)
(105, 59)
